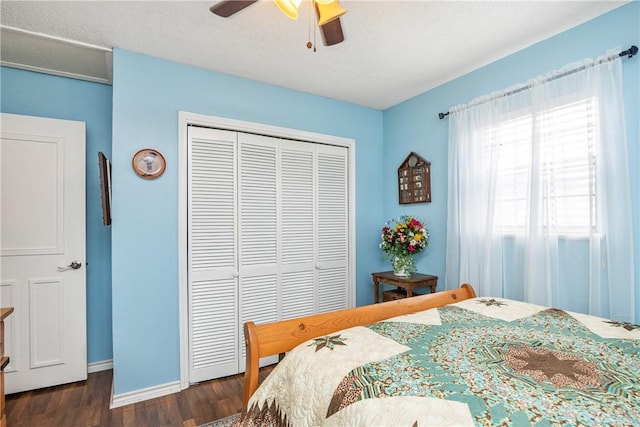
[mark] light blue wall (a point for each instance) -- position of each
(35, 94)
(147, 95)
(414, 125)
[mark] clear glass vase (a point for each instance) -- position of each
(403, 265)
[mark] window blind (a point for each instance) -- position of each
(559, 144)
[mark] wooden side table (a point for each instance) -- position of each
(417, 280)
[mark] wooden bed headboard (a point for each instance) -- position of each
(279, 337)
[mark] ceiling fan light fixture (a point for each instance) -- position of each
(289, 7)
(324, 1)
(328, 12)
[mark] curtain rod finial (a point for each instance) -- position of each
(633, 50)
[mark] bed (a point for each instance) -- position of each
(448, 358)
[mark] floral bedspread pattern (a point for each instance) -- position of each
(478, 362)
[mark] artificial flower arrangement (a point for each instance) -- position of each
(401, 239)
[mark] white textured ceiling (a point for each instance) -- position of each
(393, 50)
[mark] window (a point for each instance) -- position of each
(563, 166)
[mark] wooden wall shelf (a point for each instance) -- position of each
(414, 180)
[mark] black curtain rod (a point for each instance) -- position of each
(633, 50)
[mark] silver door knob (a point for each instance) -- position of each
(73, 266)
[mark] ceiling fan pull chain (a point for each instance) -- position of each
(309, 44)
(314, 26)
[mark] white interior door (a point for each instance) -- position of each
(268, 231)
(42, 227)
(259, 229)
(213, 292)
(333, 228)
(298, 239)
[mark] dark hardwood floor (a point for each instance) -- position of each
(86, 403)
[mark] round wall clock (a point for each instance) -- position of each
(149, 163)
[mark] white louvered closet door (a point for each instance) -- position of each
(332, 220)
(299, 230)
(268, 239)
(213, 314)
(259, 228)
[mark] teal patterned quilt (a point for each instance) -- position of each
(483, 361)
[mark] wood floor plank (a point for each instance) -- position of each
(17, 410)
(86, 403)
(168, 411)
(141, 417)
(129, 415)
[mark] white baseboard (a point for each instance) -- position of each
(143, 394)
(102, 365)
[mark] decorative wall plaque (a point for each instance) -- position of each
(414, 180)
(148, 163)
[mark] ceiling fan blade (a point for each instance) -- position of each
(226, 8)
(332, 32)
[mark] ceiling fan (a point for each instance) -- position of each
(328, 13)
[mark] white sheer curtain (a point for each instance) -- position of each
(539, 197)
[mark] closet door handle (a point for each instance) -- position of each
(236, 275)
